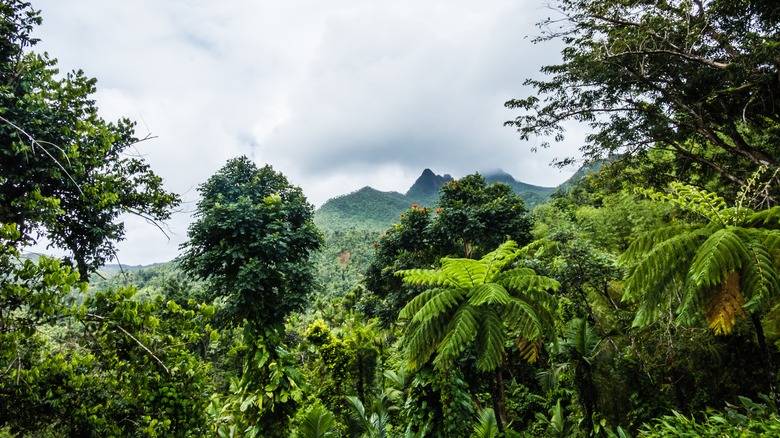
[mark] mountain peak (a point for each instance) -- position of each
(427, 185)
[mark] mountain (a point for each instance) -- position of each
(365, 209)
(531, 194)
(426, 189)
(371, 209)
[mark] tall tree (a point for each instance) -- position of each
(252, 241)
(65, 173)
(697, 78)
(477, 303)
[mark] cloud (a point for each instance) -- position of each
(337, 95)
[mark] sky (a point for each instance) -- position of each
(335, 94)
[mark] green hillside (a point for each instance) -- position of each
(374, 210)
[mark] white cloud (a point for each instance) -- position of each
(337, 95)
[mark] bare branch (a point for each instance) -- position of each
(140, 344)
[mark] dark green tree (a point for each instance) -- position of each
(65, 173)
(716, 270)
(252, 242)
(697, 79)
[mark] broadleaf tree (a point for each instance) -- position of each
(252, 242)
(691, 86)
(66, 173)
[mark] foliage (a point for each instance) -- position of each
(65, 172)
(252, 241)
(113, 365)
(473, 217)
(486, 427)
(748, 420)
(263, 400)
(721, 268)
(695, 78)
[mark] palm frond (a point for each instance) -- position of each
(460, 333)
(580, 337)
(490, 341)
(318, 423)
(486, 426)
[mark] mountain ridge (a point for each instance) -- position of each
(371, 209)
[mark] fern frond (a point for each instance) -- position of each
(769, 218)
(490, 341)
(760, 281)
(524, 279)
(420, 341)
(720, 255)
(529, 350)
(439, 303)
(697, 200)
(489, 293)
(461, 331)
(464, 273)
(522, 318)
(647, 241)
(725, 305)
(426, 277)
(498, 259)
(415, 304)
(660, 266)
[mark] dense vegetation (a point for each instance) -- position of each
(641, 300)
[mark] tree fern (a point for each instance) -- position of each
(474, 303)
(716, 271)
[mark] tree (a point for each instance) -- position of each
(699, 79)
(476, 303)
(252, 241)
(716, 270)
(65, 173)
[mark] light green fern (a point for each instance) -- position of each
(479, 303)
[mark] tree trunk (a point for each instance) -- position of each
(769, 366)
(499, 399)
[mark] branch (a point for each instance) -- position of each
(140, 344)
(34, 142)
(688, 56)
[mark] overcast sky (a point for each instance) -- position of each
(337, 94)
